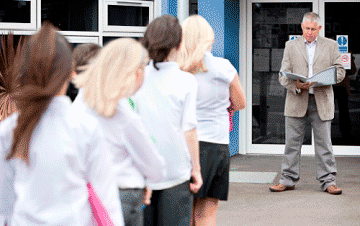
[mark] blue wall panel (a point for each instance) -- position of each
(169, 7)
(164, 7)
(173, 7)
(231, 46)
(213, 12)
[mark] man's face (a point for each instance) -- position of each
(310, 30)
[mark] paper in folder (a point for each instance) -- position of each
(323, 78)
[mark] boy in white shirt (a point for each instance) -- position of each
(167, 104)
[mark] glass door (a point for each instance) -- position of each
(345, 128)
(270, 25)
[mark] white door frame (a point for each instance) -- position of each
(245, 117)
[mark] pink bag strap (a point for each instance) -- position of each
(100, 214)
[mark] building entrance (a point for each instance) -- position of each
(269, 25)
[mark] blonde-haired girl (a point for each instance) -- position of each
(115, 75)
(217, 82)
(198, 38)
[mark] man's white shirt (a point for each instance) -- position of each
(310, 50)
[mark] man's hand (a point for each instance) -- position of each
(196, 181)
(303, 85)
(147, 196)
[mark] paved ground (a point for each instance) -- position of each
(254, 204)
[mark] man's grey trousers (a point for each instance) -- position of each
(294, 133)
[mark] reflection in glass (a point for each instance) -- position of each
(345, 128)
(68, 15)
(15, 12)
(128, 15)
(272, 24)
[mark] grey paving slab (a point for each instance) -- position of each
(252, 177)
(253, 203)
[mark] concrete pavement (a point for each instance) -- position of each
(253, 204)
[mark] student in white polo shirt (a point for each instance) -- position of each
(217, 81)
(115, 75)
(49, 158)
(166, 102)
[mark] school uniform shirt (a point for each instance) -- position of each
(166, 103)
(7, 193)
(213, 99)
(136, 161)
(64, 156)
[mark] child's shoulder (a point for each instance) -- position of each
(220, 63)
(7, 127)
(82, 119)
(187, 79)
(8, 124)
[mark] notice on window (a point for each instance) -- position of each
(343, 43)
(293, 37)
(276, 59)
(262, 60)
(346, 60)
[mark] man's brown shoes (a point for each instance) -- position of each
(280, 188)
(333, 190)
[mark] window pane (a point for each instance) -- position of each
(128, 15)
(15, 12)
(193, 7)
(67, 15)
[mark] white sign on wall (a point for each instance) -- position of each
(343, 43)
(346, 60)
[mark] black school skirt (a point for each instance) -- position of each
(215, 166)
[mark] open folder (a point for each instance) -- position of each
(323, 78)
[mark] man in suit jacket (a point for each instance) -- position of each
(308, 55)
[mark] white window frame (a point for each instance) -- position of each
(82, 39)
(112, 28)
(23, 26)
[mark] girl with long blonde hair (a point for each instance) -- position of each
(112, 77)
(217, 82)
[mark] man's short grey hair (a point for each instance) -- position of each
(312, 17)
